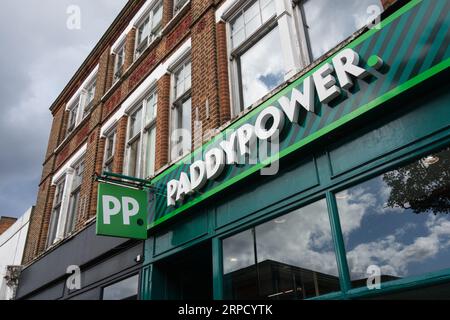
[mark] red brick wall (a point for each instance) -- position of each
(387, 3)
(5, 223)
(119, 151)
(162, 122)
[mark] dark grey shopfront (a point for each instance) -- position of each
(109, 269)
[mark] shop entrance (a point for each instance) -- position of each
(186, 275)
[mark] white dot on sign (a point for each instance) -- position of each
(233, 259)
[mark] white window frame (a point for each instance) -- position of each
(177, 102)
(64, 177)
(89, 92)
(119, 66)
(75, 114)
(145, 128)
(284, 21)
(110, 138)
(178, 5)
(153, 33)
(54, 225)
(74, 212)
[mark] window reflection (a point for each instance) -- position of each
(342, 18)
(291, 257)
(261, 68)
(399, 221)
(123, 290)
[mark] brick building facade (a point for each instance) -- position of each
(161, 66)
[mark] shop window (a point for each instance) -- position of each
(56, 212)
(141, 138)
(74, 200)
(119, 60)
(256, 67)
(326, 23)
(290, 257)
(126, 289)
(110, 145)
(181, 128)
(398, 223)
(148, 28)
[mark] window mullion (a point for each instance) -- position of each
(338, 239)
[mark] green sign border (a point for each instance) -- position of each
(316, 135)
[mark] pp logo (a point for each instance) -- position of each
(122, 212)
(112, 206)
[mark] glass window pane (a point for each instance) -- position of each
(73, 211)
(157, 16)
(238, 37)
(329, 22)
(261, 68)
(187, 77)
(150, 156)
(186, 124)
(237, 24)
(399, 221)
(151, 104)
(124, 290)
(295, 253)
(239, 268)
(136, 123)
(295, 258)
(251, 12)
(252, 25)
(134, 158)
(267, 9)
(53, 225)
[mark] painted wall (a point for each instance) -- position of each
(12, 244)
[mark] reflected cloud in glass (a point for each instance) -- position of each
(329, 22)
(399, 221)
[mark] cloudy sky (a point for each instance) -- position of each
(39, 56)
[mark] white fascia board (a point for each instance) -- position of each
(69, 163)
(149, 82)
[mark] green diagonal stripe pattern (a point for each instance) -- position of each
(414, 45)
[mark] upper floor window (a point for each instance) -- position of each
(110, 142)
(66, 203)
(73, 115)
(178, 5)
(80, 107)
(181, 128)
(74, 198)
(119, 61)
(56, 211)
(142, 138)
(90, 95)
(257, 66)
(149, 28)
(329, 22)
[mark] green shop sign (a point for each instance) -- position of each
(405, 49)
(121, 212)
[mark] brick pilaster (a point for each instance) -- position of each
(162, 122)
